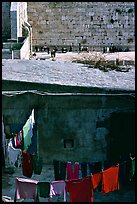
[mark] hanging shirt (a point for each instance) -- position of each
(13, 153)
(59, 170)
(57, 188)
(27, 165)
(32, 121)
(17, 141)
(110, 180)
(43, 190)
(26, 188)
(26, 135)
(70, 173)
(80, 190)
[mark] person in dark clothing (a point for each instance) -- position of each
(53, 53)
(79, 47)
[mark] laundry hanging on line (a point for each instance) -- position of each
(13, 153)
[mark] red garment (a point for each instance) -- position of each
(27, 168)
(96, 179)
(17, 141)
(80, 190)
(70, 174)
(110, 179)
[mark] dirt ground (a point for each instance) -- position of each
(70, 56)
(125, 194)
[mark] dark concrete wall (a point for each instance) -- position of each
(85, 120)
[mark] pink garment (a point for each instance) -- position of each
(57, 188)
(70, 174)
(26, 188)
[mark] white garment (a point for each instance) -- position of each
(32, 121)
(13, 153)
(3, 138)
(57, 188)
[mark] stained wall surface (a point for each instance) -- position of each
(95, 24)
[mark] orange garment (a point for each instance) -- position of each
(96, 179)
(110, 180)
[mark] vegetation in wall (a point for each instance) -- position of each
(84, 41)
(16, 46)
(25, 32)
(130, 40)
(97, 61)
(130, 10)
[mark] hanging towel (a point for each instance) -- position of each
(62, 170)
(70, 173)
(58, 188)
(56, 169)
(96, 179)
(110, 180)
(133, 168)
(25, 188)
(37, 163)
(43, 190)
(27, 166)
(80, 190)
(59, 170)
(84, 169)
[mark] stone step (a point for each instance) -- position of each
(12, 40)
(7, 45)
(6, 54)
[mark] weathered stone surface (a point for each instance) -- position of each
(82, 19)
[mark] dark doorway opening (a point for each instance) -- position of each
(122, 135)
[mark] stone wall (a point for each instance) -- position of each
(6, 21)
(95, 24)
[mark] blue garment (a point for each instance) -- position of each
(33, 146)
(84, 169)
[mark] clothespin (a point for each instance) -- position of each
(130, 155)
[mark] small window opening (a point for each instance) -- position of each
(68, 143)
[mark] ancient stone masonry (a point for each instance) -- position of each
(94, 24)
(6, 20)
